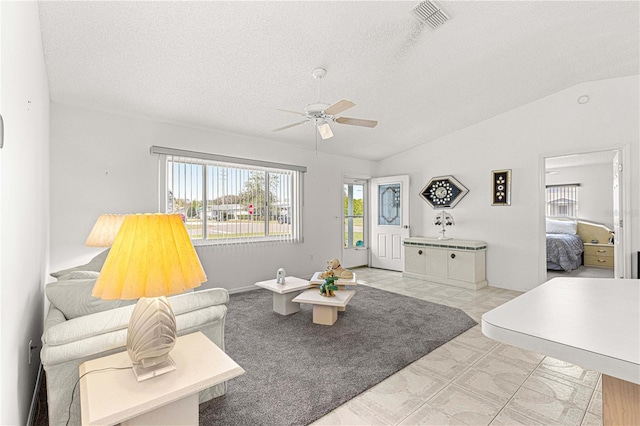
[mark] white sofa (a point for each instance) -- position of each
(79, 327)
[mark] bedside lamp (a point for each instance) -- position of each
(443, 219)
(151, 257)
(104, 231)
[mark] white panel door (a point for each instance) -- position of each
(389, 221)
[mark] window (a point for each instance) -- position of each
(562, 200)
(225, 200)
(354, 214)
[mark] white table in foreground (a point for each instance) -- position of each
(325, 309)
(115, 396)
(284, 293)
(590, 322)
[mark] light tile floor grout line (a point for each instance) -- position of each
(514, 394)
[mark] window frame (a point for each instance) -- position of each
(205, 159)
(568, 191)
(348, 229)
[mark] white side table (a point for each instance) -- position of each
(110, 397)
(284, 293)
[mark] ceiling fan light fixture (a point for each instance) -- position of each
(325, 130)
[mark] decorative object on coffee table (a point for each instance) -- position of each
(328, 287)
(280, 276)
(335, 270)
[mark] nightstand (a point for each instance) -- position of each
(599, 255)
(110, 397)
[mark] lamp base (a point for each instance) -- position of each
(142, 373)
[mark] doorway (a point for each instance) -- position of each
(586, 188)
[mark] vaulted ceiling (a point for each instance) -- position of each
(231, 65)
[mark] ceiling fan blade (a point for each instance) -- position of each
(290, 125)
(291, 112)
(325, 131)
(356, 121)
(338, 107)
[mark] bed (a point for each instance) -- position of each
(565, 241)
(564, 251)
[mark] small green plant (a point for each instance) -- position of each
(328, 287)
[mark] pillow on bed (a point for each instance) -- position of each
(94, 264)
(73, 298)
(562, 226)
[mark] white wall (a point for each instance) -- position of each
(595, 195)
(518, 140)
(24, 204)
(100, 163)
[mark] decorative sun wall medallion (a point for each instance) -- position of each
(443, 192)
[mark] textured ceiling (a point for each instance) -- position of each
(230, 65)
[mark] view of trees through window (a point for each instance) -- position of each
(226, 203)
(353, 215)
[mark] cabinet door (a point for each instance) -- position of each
(414, 260)
(436, 262)
(462, 265)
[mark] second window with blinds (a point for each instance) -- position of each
(562, 200)
(225, 202)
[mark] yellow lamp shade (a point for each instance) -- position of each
(104, 231)
(152, 255)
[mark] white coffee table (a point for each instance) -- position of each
(284, 293)
(325, 309)
(316, 280)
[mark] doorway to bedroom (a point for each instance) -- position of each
(583, 199)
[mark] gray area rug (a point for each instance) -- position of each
(297, 371)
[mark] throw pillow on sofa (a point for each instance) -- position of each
(94, 264)
(73, 298)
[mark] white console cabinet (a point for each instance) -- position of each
(459, 263)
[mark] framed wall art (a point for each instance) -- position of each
(443, 192)
(501, 187)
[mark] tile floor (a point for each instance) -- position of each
(472, 380)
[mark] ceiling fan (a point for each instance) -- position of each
(321, 114)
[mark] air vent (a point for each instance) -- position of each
(430, 14)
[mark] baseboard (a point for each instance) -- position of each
(253, 287)
(242, 289)
(34, 398)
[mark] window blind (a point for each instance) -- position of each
(562, 200)
(228, 202)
